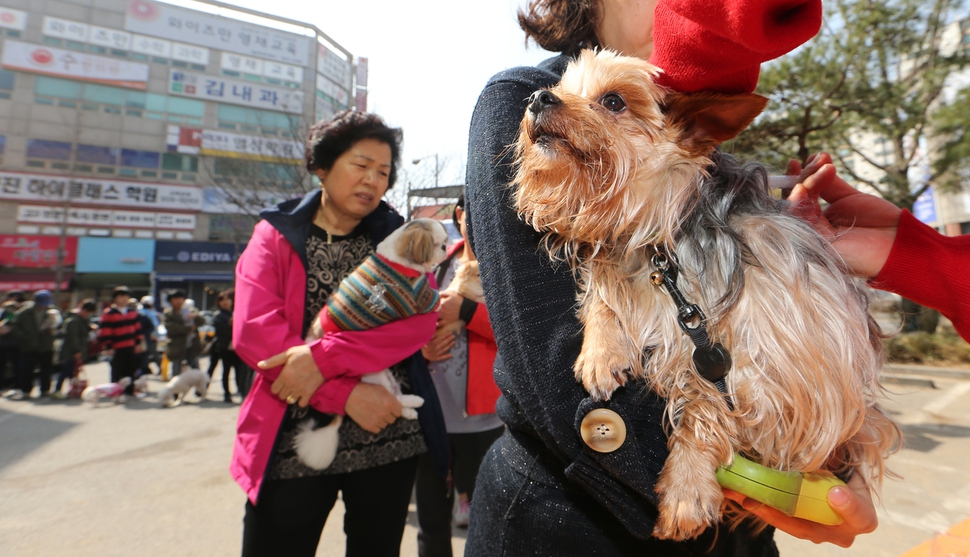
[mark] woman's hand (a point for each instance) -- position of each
(299, 378)
(439, 347)
(372, 407)
(450, 307)
(853, 502)
(861, 227)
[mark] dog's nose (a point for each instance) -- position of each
(541, 100)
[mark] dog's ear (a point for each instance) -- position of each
(416, 243)
(708, 119)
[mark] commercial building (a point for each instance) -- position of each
(125, 123)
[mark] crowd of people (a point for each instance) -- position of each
(44, 349)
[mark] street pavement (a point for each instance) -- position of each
(135, 479)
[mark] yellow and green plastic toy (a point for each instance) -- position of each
(793, 493)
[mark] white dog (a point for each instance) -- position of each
(113, 391)
(176, 389)
(378, 292)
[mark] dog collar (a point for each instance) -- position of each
(711, 360)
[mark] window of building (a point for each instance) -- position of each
(139, 159)
(104, 94)
(138, 57)
(46, 149)
(97, 155)
(190, 110)
(74, 45)
(54, 87)
(186, 107)
(6, 80)
(13, 33)
(97, 49)
(51, 41)
(250, 119)
(3, 145)
(177, 162)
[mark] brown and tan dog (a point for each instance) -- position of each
(625, 179)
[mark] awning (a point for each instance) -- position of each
(33, 281)
(194, 277)
(97, 281)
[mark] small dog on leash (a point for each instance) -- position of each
(176, 389)
(691, 274)
(389, 285)
(113, 391)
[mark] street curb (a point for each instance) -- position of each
(931, 371)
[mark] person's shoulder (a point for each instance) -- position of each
(544, 74)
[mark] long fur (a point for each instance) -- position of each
(467, 283)
(180, 385)
(420, 245)
(609, 186)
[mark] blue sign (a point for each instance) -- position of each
(115, 255)
(924, 208)
(195, 252)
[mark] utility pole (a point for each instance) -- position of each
(62, 243)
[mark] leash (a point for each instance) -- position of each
(711, 359)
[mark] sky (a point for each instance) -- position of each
(428, 61)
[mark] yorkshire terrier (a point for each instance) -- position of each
(389, 285)
(692, 274)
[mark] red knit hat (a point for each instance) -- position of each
(719, 45)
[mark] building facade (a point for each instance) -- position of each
(137, 121)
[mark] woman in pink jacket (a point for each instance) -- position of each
(298, 254)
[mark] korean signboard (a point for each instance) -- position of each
(73, 64)
(336, 94)
(42, 214)
(94, 191)
(245, 93)
(224, 144)
(20, 250)
(122, 40)
(250, 65)
(111, 38)
(334, 66)
(188, 26)
(65, 29)
(13, 19)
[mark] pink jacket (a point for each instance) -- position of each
(268, 319)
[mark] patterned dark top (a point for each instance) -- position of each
(331, 259)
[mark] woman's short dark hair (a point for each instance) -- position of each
(227, 294)
(561, 25)
(328, 139)
(460, 204)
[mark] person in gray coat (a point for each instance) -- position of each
(35, 326)
(75, 334)
(179, 328)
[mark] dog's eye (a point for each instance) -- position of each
(613, 102)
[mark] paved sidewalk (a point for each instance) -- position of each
(139, 480)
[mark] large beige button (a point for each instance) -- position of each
(603, 430)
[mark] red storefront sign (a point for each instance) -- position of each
(36, 252)
(33, 282)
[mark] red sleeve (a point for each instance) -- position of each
(930, 269)
(480, 324)
(719, 46)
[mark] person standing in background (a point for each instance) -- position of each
(461, 368)
(147, 312)
(222, 349)
(121, 336)
(76, 331)
(179, 328)
(35, 326)
(9, 346)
